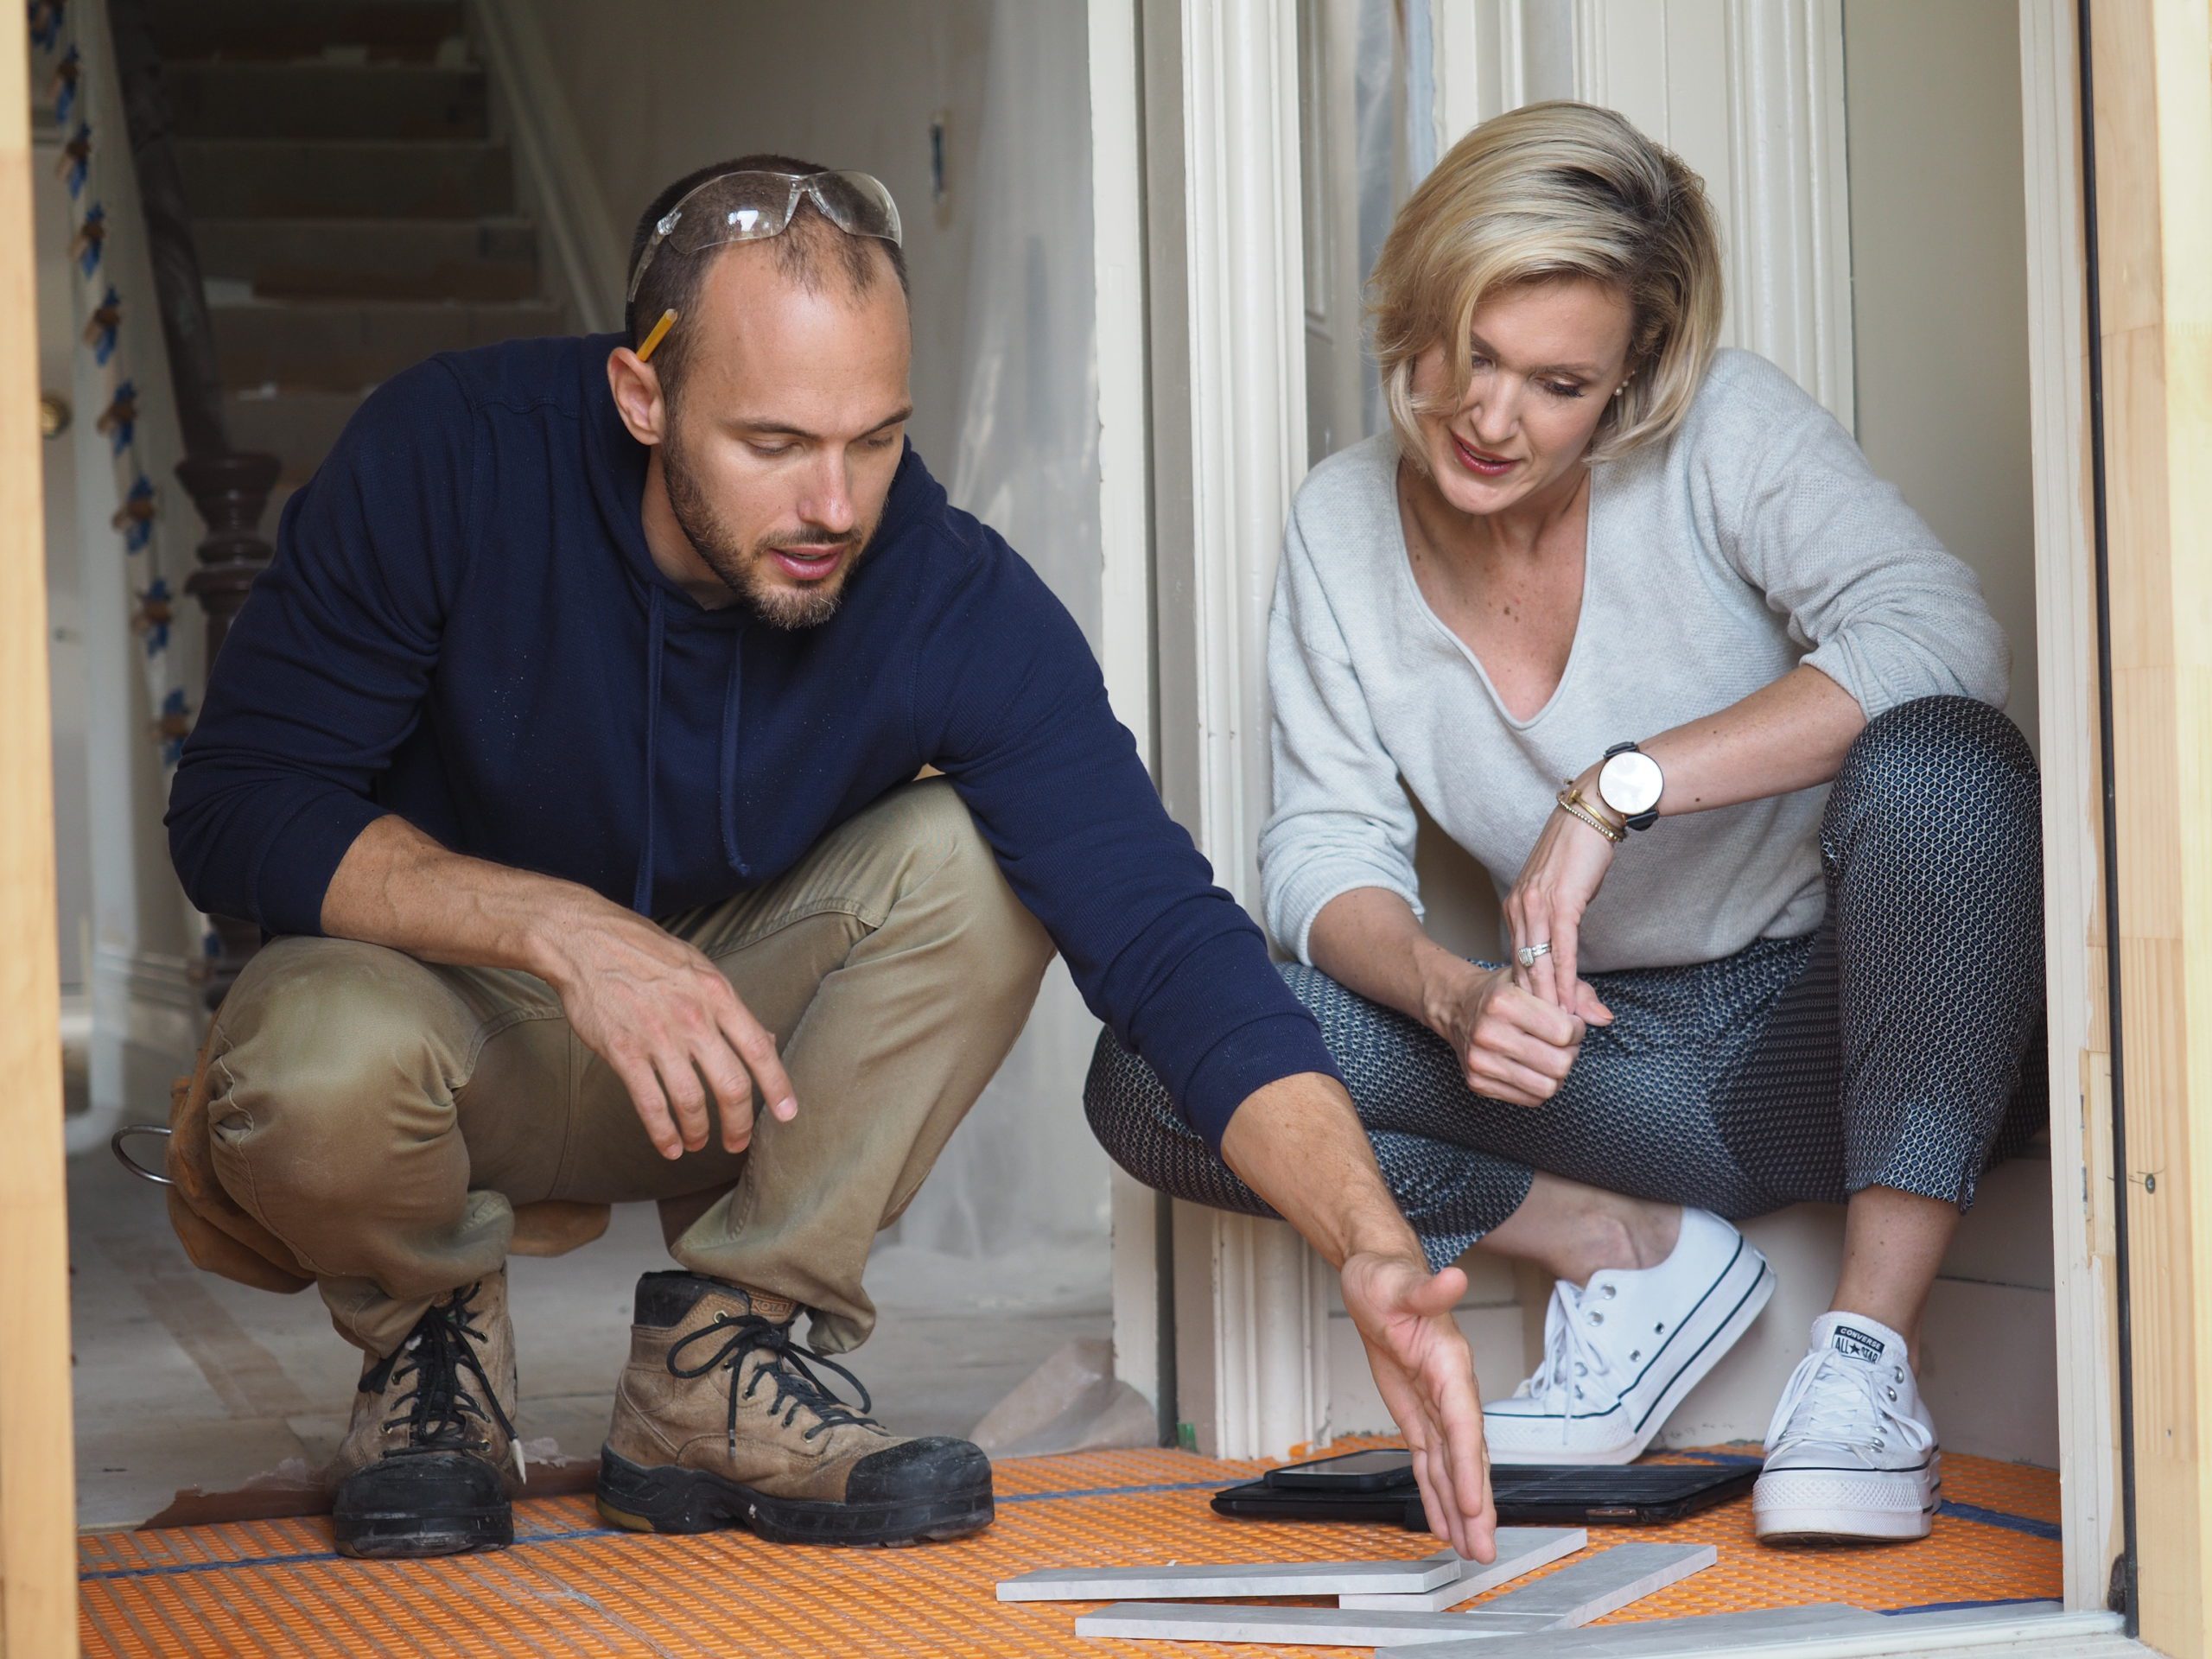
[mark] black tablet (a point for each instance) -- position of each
(1638, 1494)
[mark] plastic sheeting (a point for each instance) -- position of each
(1025, 1167)
(1394, 125)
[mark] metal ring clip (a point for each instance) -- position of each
(115, 1145)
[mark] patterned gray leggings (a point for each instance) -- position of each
(1898, 1045)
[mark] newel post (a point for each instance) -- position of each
(231, 492)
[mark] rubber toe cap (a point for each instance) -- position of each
(936, 1468)
(421, 1483)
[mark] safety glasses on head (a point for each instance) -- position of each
(752, 206)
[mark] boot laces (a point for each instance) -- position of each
(1831, 1399)
(443, 1413)
(785, 1361)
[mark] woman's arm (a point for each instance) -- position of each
(1792, 735)
(1512, 1045)
(1342, 821)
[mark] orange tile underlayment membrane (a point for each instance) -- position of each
(571, 1586)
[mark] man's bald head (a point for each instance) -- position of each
(811, 252)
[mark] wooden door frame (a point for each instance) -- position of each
(2153, 129)
(38, 1558)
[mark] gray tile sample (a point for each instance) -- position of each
(1265, 1578)
(1324, 1627)
(1779, 1631)
(1520, 1549)
(1603, 1582)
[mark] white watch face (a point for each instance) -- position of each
(1631, 783)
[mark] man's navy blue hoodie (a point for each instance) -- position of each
(463, 626)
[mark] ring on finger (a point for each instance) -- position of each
(1527, 954)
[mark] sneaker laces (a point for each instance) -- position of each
(443, 1413)
(1573, 1356)
(1830, 1400)
(786, 1361)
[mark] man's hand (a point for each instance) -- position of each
(1426, 1374)
(664, 1019)
(648, 1004)
(1299, 1145)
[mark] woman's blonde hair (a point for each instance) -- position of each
(1545, 191)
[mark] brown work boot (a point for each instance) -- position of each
(719, 1422)
(428, 1465)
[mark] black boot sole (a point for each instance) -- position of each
(395, 1536)
(669, 1499)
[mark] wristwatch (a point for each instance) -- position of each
(1630, 784)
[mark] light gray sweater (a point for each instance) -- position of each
(1756, 538)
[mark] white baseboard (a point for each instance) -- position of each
(147, 1021)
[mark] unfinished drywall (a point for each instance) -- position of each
(1939, 286)
(657, 87)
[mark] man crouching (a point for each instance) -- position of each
(568, 749)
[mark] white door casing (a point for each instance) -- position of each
(1227, 319)
(2085, 1278)
(1125, 539)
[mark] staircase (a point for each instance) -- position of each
(354, 208)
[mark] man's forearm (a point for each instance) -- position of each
(396, 886)
(1299, 1146)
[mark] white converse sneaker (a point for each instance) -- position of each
(1852, 1453)
(1621, 1352)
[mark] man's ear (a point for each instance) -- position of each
(636, 386)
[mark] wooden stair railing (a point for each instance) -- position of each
(229, 489)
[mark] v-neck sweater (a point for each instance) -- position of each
(1754, 538)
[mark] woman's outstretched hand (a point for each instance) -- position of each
(1564, 871)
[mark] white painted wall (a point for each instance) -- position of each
(1939, 280)
(146, 1016)
(1004, 377)
(57, 346)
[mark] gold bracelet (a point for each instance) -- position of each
(1571, 803)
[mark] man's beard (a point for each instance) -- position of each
(741, 568)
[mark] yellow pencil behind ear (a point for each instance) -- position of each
(653, 339)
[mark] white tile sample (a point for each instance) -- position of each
(1520, 1549)
(1265, 1579)
(1779, 1631)
(1324, 1627)
(1603, 1582)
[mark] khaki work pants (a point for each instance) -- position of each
(382, 1115)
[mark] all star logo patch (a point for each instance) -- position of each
(1856, 1344)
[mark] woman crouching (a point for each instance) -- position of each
(1633, 621)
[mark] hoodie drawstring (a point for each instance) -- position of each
(641, 897)
(731, 698)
